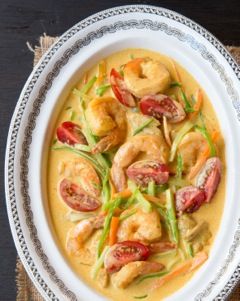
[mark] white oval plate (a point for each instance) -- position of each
(80, 47)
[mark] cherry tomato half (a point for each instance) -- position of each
(162, 105)
(145, 171)
(123, 253)
(120, 90)
(209, 177)
(70, 133)
(189, 199)
(77, 198)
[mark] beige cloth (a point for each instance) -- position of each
(26, 291)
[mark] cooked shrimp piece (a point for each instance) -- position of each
(80, 170)
(141, 226)
(107, 119)
(79, 234)
(190, 148)
(153, 146)
(134, 269)
(144, 76)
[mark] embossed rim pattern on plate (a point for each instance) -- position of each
(15, 125)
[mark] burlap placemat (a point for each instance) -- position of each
(26, 290)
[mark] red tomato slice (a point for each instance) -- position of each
(145, 171)
(162, 105)
(189, 199)
(210, 176)
(120, 90)
(123, 253)
(70, 133)
(77, 198)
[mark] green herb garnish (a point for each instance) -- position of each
(171, 214)
(188, 107)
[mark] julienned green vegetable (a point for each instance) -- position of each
(83, 147)
(95, 163)
(186, 128)
(151, 188)
(140, 297)
(175, 84)
(171, 214)
(85, 89)
(179, 166)
(152, 275)
(143, 126)
(124, 216)
(72, 115)
(188, 107)
(143, 203)
(106, 193)
(99, 263)
(102, 89)
(116, 203)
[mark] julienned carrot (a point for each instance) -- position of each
(197, 105)
(101, 72)
(203, 157)
(127, 193)
(113, 230)
(123, 194)
(186, 267)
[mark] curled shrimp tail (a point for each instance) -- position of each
(108, 142)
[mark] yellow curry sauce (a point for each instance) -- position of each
(211, 213)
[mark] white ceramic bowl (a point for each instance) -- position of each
(40, 101)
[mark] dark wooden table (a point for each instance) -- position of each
(26, 20)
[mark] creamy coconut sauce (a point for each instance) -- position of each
(211, 212)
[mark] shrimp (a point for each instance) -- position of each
(153, 146)
(81, 170)
(107, 119)
(190, 148)
(141, 226)
(144, 76)
(134, 269)
(79, 234)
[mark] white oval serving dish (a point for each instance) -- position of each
(83, 45)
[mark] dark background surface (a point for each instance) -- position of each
(26, 20)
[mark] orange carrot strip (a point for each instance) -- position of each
(186, 267)
(123, 194)
(101, 72)
(85, 78)
(113, 230)
(203, 157)
(197, 105)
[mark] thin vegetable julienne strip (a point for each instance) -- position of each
(151, 188)
(106, 193)
(113, 230)
(188, 107)
(125, 216)
(98, 264)
(102, 89)
(186, 128)
(140, 297)
(101, 72)
(171, 214)
(179, 166)
(152, 275)
(142, 201)
(106, 226)
(141, 127)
